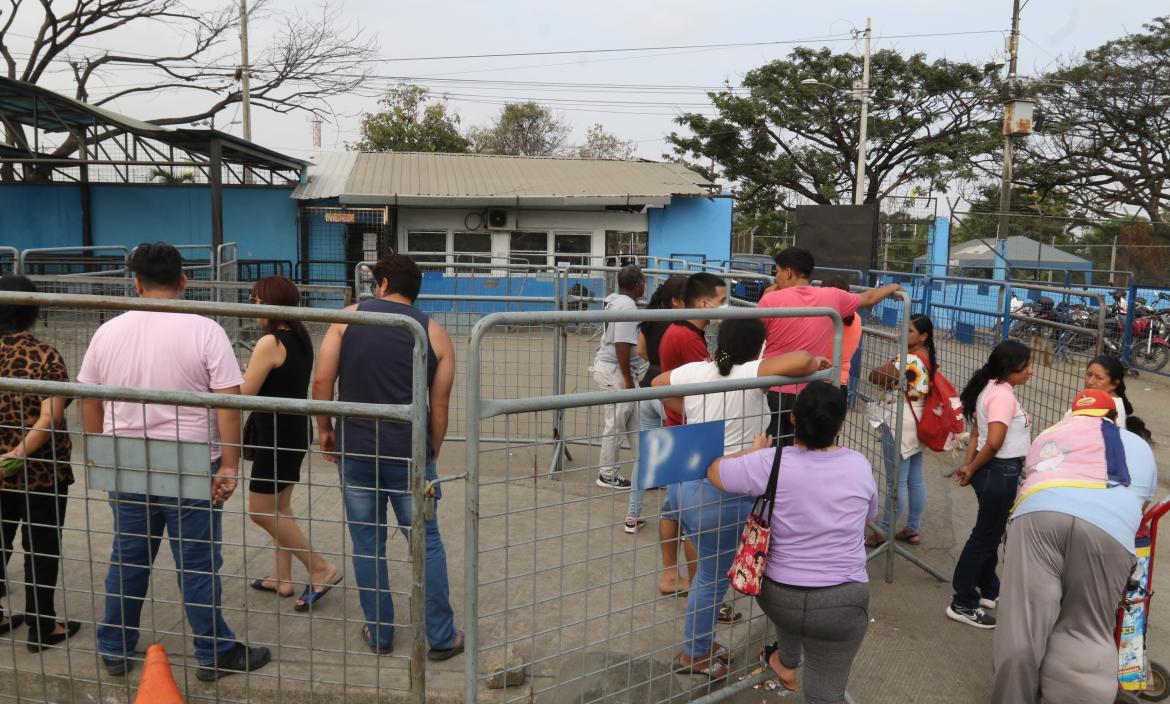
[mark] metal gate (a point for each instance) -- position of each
(334, 240)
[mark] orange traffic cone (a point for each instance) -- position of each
(157, 685)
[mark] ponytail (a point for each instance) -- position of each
(925, 326)
(1133, 424)
(723, 361)
(740, 341)
(1008, 357)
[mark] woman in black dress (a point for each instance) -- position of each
(281, 366)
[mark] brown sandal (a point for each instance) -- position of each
(711, 666)
(909, 537)
(874, 541)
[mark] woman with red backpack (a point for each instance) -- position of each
(906, 382)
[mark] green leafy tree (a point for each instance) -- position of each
(1105, 137)
(521, 129)
(410, 121)
(929, 122)
(1044, 217)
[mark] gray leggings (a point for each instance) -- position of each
(827, 625)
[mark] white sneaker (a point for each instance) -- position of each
(972, 617)
(989, 603)
(633, 524)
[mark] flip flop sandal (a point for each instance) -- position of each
(874, 541)
(310, 596)
(258, 585)
(721, 653)
(728, 615)
(15, 621)
(714, 668)
(376, 649)
(907, 536)
(438, 655)
(766, 658)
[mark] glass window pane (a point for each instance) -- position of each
(573, 243)
(473, 248)
(529, 247)
(418, 242)
(622, 247)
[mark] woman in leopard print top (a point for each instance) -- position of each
(34, 486)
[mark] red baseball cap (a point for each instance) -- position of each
(1092, 402)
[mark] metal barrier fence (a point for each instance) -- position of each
(554, 586)
(321, 655)
(9, 260)
(87, 261)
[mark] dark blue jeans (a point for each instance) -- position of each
(194, 529)
(995, 487)
(366, 488)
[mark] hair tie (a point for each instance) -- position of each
(722, 357)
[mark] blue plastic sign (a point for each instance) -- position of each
(677, 454)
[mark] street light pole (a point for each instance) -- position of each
(863, 96)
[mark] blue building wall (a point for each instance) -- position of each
(262, 220)
(692, 226)
(40, 215)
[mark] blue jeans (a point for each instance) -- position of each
(995, 487)
(194, 530)
(651, 415)
(911, 484)
(713, 520)
(366, 488)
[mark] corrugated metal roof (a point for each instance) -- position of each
(325, 177)
(408, 178)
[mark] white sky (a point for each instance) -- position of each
(1052, 29)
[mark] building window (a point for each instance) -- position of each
(420, 245)
(474, 248)
(529, 248)
(623, 248)
(566, 243)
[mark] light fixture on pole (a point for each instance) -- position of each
(861, 94)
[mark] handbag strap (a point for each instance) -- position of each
(766, 500)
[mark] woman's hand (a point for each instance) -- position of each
(823, 363)
(963, 474)
(762, 442)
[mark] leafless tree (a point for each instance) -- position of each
(311, 57)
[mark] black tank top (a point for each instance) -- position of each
(376, 366)
(289, 380)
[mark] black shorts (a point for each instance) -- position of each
(274, 470)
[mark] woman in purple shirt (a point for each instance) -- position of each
(816, 590)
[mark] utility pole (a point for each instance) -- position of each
(316, 133)
(1005, 183)
(245, 70)
(863, 96)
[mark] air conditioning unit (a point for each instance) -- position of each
(501, 220)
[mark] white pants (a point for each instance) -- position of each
(620, 419)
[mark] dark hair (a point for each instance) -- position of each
(740, 341)
(157, 265)
(16, 318)
(401, 274)
(280, 291)
(798, 259)
(925, 326)
(1116, 371)
(701, 284)
(820, 412)
(628, 277)
(1008, 357)
(838, 281)
(663, 297)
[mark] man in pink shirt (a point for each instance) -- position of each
(173, 352)
(794, 289)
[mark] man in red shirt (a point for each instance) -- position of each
(682, 343)
(794, 289)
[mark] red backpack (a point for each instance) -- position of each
(942, 414)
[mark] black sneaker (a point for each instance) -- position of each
(117, 667)
(241, 658)
(633, 525)
(976, 617)
(618, 482)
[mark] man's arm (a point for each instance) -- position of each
(622, 350)
(93, 415)
(324, 380)
(440, 393)
(872, 297)
(226, 478)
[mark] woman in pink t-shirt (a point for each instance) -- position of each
(1000, 436)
